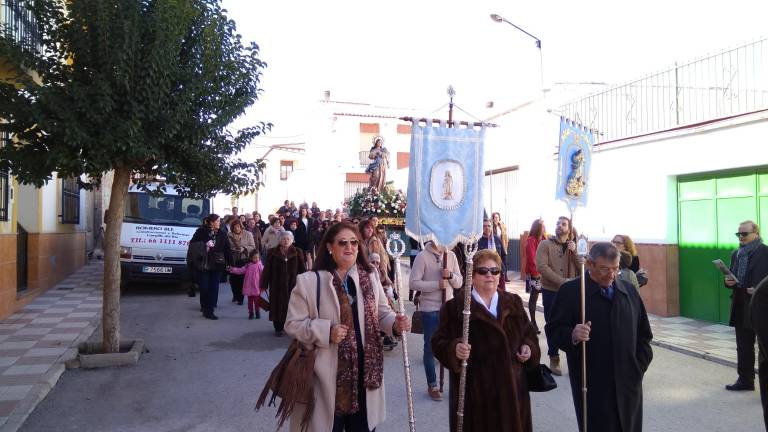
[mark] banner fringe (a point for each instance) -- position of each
(424, 238)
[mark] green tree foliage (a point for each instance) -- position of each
(147, 87)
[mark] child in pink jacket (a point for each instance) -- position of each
(252, 272)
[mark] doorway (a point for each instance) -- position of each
(710, 209)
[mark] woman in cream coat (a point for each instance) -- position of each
(348, 387)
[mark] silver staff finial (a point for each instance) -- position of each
(395, 246)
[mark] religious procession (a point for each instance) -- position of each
(334, 282)
(199, 232)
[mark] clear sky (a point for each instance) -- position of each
(405, 53)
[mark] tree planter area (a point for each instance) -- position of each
(91, 355)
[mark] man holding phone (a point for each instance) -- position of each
(749, 263)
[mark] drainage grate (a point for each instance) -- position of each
(65, 288)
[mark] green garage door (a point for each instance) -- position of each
(710, 210)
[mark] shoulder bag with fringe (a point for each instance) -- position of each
(293, 379)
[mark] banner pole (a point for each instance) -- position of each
(582, 252)
(583, 352)
(445, 298)
(396, 248)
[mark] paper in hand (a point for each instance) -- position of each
(724, 269)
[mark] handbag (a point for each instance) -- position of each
(642, 277)
(218, 258)
(540, 379)
(417, 323)
(292, 380)
(263, 302)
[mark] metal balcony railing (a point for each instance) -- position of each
(729, 83)
(364, 160)
(19, 24)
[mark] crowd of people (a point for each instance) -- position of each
(349, 264)
(261, 256)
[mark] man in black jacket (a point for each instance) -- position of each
(618, 343)
(491, 241)
(749, 263)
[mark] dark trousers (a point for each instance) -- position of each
(532, 300)
(236, 283)
(745, 354)
(548, 297)
(357, 422)
(209, 289)
(279, 325)
(253, 305)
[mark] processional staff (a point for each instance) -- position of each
(470, 248)
(396, 248)
(582, 251)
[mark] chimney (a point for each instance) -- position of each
(489, 104)
(327, 95)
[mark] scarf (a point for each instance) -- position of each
(237, 240)
(742, 259)
(347, 373)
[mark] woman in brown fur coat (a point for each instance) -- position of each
(283, 263)
(503, 344)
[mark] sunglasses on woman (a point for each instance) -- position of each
(344, 243)
(485, 270)
(742, 234)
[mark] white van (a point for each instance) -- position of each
(155, 235)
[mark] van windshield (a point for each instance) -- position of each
(165, 210)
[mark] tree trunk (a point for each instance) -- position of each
(110, 320)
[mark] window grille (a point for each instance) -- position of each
(20, 24)
(729, 83)
(70, 201)
(5, 187)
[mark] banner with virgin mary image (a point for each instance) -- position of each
(573, 164)
(445, 184)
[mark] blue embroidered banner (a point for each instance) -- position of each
(445, 184)
(574, 162)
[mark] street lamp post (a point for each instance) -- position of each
(498, 18)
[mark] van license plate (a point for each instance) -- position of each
(148, 269)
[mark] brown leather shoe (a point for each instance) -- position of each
(554, 364)
(435, 394)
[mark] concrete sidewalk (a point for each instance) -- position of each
(37, 340)
(713, 342)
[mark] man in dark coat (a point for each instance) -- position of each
(491, 241)
(618, 337)
(759, 316)
(749, 263)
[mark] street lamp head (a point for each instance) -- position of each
(497, 17)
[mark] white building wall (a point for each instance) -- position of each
(641, 175)
(50, 205)
(633, 186)
(332, 144)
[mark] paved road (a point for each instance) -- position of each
(205, 375)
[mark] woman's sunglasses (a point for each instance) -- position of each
(344, 243)
(742, 234)
(485, 270)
